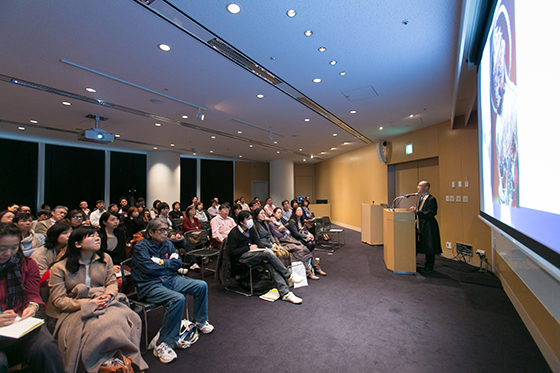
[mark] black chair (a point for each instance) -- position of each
(226, 270)
(143, 306)
(336, 236)
(177, 224)
(202, 252)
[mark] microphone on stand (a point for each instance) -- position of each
(411, 195)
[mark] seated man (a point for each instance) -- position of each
(221, 225)
(155, 263)
(57, 214)
(245, 246)
(213, 209)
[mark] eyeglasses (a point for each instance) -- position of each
(79, 217)
(163, 230)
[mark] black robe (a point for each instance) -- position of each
(429, 241)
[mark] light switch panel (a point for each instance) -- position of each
(451, 198)
(458, 199)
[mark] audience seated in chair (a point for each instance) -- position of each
(298, 230)
(200, 214)
(308, 217)
(93, 319)
(286, 212)
(297, 250)
(221, 225)
(76, 218)
(19, 276)
(245, 247)
(96, 214)
(7, 217)
(29, 241)
(54, 248)
(269, 207)
(213, 209)
(155, 263)
(175, 212)
(190, 222)
(133, 223)
(113, 240)
(57, 214)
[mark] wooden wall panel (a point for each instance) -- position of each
(245, 174)
(424, 143)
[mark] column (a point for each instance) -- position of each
(164, 177)
(281, 181)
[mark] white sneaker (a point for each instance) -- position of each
(291, 297)
(195, 267)
(153, 343)
(165, 353)
(205, 328)
(295, 278)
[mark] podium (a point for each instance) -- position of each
(399, 243)
(372, 224)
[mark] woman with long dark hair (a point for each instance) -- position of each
(113, 240)
(298, 230)
(19, 276)
(53, 249)
(93, 319)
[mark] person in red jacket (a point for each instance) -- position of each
(190, 222)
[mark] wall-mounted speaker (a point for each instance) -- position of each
(382, 151)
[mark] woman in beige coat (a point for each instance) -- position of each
(94, 320)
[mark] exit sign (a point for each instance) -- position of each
(408, 149)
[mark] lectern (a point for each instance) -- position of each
(399, 240)
(372, 224)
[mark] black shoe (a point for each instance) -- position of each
(426, 270)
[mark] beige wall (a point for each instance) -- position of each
(245, 174)
(349, 180)
(304, 180)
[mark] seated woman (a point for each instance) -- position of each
(245, 247)
(175, 212)
(200, 214)
(190, 222)
(54, 248)
(6, 216)
(113, 240)
(295, 248)
(308, 217)
(297, 228)
(133, 223)
(29, 240)
(76, 218)
(93, 319)
(235, 210)
(19, 279)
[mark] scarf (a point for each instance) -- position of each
(15, 292)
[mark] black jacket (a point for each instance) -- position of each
(119, 253)
(238, 244)
(429, 240)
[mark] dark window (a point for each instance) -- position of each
(188, 181)
(73, 174)
(18, 167)
(128, 176)
(216, 180)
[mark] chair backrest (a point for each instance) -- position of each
(177, 223)
(223, 267)
(326, 222)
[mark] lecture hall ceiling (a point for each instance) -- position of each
(386, 64)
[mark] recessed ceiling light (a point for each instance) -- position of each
(352, 111)
(117, 135)
(334, 134)
(342, 73)
(333, 62)
(240, 156)
(193, 153)
(322, 49)
(308, 33)
(311, 156)
(66, 103)
(164, 47)
(155, 147)
(211, 151)
(291, 13)
(157, 124)
(260, 96)
(380, 128)
(90, 90)
(278, 152)
(305, 160)
(250, 145)
(323, 152)
(411, 115)
(212, 137)
(233, 8)
(333, 148)
(171, 144)
(21, 128)
(301, 150)
(33, 121)
(185, 117)
(276, 142)
(306, 119)
(239, 131)
(347, 143)
(316, 80)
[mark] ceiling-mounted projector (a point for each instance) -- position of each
(96, 134)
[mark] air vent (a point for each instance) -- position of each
(313, 106)
(243, 61)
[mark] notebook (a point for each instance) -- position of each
(21, 327)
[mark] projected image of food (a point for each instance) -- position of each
(504, 116)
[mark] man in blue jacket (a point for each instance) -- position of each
(155, 263)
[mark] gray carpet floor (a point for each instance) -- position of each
(364, 318)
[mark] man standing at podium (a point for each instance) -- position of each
(427, 229)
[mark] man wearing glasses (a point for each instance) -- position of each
(155, 265)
